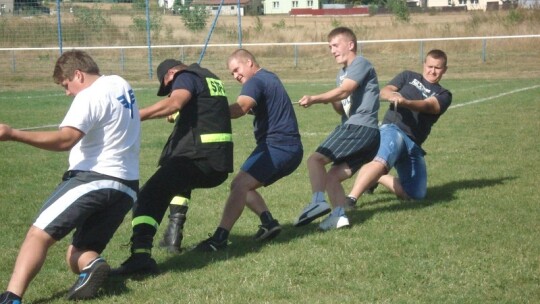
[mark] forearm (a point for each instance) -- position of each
(236, 111)
(157, 110)
(52, 141)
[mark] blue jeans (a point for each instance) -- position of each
(399, 151)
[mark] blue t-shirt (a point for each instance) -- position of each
(275, 121)
(188, 81)
(362, 106)
(413, 86)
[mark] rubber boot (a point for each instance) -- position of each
(172, 238)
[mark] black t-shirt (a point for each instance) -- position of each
(413, 86)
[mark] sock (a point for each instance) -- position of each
(221, 234)
(266, 217)
(317, 197)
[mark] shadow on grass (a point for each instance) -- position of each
(436, 195)
(242, 245)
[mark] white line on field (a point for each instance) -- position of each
(493, 97)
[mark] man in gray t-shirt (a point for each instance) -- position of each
(354, 142)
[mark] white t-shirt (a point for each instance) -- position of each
(106, 112)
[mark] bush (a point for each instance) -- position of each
(195, 18)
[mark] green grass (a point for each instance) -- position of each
(474, 239)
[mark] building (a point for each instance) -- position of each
(230, 7)
(285, 6)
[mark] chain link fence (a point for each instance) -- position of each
(121, 40)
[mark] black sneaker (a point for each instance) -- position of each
(268, 231)
(137, 264)
(10, 298)
(211, 245)
(90, 280)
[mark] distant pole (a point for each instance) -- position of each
(59, 26)
(148, 39)
(484, 50)
(239, 26)
(210, 32)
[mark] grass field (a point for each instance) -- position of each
(474, 239)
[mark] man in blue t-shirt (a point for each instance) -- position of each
(277, 154)
(416, 103)
(354, 142)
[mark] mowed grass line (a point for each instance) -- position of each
(473, 240)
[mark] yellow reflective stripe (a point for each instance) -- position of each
(144, 220)
(179, 200)
(215, 87)
(217, 137)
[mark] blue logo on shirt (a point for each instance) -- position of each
(128, 104)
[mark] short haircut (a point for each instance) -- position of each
(346, 32)
(71, 61)
(438, 54)
(244, 55)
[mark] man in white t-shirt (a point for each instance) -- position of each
(102, 132)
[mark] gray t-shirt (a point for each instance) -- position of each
(362, 106)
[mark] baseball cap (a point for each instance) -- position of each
(162, 70)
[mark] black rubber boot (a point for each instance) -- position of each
(172, 238)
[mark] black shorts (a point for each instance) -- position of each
(91, 203)
(351, 144)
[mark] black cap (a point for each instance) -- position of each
(162, 70)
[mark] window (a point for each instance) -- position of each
(275, 4)
(310, 3)
(295, 4)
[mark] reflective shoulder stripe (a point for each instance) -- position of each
(180, 201)
(144, 220)
(216, 87)
(217, 137)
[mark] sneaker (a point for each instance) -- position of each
(350, 203)
(137, 264)
(90, 280)
(211, 245)
(268, 231)
(311, 212)
(10, 298)
(334, 222)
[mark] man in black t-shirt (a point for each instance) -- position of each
(416, 103)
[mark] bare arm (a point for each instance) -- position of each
(429, 105)
(333, 96)
(242, 106)
(167, 106)
(61, 140)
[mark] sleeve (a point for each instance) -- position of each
(188, 81)
(445, 99)
(359, 70)
(399, 80)
(253, 88)
(82, 114)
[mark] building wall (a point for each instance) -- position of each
(285, 6)
(6, 6)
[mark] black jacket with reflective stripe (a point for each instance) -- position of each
(203, 128)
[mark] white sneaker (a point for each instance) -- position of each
(334, 222)
(311, 212)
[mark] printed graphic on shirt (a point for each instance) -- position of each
(216, 87)
(128, 104)
(425, 91)
(346, 103)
